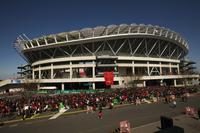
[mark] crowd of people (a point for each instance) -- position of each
(39, 103)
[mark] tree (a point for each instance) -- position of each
(132, 80)
(29, 86)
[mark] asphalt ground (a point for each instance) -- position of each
(89, 123)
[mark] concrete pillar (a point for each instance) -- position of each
(120, 82)
(175, 82)
(38, 86)
(133, 68)
(39, 72)
(161, 82)
(52, 71)
(93, 70)
(160, 68)
(33, 74)
(144, 83)
(148, 71)
(62, 86)
(170, 68)
(71, 72)
(93, 86)
(178, 69)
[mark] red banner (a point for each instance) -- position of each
(109, 78)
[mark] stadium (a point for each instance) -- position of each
(145, 55)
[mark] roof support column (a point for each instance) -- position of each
(178, 71)
(175, 82)
(133, 68)
(39, 73)
(33, 74)
(148, 71)
(93, 69)
(144, 83)
(71, 72)
(63, 86)
(52, 71)
(160, 68)
(38, 86)
(93, 85)
(170, 68)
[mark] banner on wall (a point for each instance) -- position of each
(82, 72)
(109, 78)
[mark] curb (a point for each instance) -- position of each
(36, 116)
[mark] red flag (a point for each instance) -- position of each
(109, 78)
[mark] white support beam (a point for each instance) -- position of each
(163, 50)
(161, 32)
(152, 48)
(147, 28)
(87, 49)
(63, 86)
(133, 68)
(138, 47)
(37, 42)
(45, 40)
(74, 50)
(70, 68)
(129, 29)
(129, 43)
(160, 68)
(172, 34)
(111, 48)
(33, 74)
(29, 40)
(93, 85)
(55, 39)
(179, 55)
(99, 47)
(172, 52)
(167, 33)
(67, 39)
(148, 69)
(175, 83)
(39, 73)
(170, 67)
(93, 69)
(138, 30)
(120, 46)
(178, 70)
(52, 71)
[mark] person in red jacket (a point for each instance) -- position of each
(100, 114)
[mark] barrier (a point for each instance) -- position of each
(72, 91)
(166, 122)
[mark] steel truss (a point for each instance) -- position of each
(148, 47)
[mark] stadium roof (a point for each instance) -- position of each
(24, 43)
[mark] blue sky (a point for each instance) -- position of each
(36, 18)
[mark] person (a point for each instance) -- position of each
(138, 101)
(111, 105)
(100, 114)
(173, 104)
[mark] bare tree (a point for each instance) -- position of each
(132, 80)
(29, 86)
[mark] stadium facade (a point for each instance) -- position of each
(150, 55)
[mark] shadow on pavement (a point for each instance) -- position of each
(174, 129)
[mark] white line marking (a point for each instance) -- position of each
(13, 125)
(58, 114)
(147, 125)
(27, 123)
